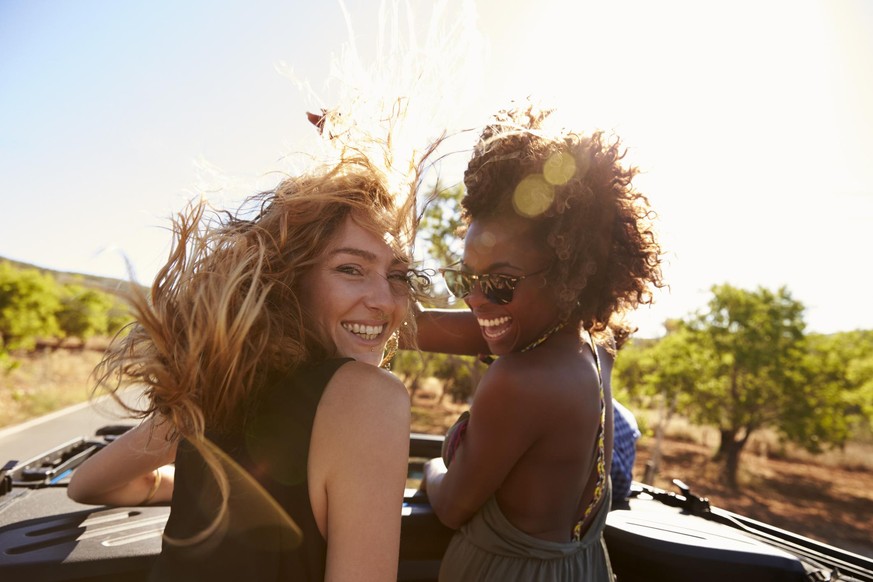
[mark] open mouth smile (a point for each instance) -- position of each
(494, 328)
(367, 332)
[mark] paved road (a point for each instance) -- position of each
(23, 441)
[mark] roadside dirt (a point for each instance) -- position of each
(829, 504)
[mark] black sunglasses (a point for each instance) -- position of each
(496, 287)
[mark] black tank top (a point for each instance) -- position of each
(252, 542)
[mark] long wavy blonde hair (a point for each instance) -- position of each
(224, 312)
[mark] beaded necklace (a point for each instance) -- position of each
(489, 359)
(544, 337)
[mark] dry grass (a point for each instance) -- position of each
(45, 381)
(854, 456)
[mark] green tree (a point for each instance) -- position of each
(632, 365)
(118, 315)
(84, 312)
(753, 342)
(29, 301)
(839, 370)
(438, 229)
(459, 375)
(745, 363)
(859, 371)
(440, 224)
(665, 372)
(413, 366)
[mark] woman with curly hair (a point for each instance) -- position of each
(558, 246)
(260, 349)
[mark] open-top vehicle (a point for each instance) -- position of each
(660, 535)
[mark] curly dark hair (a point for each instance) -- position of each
(577, 192)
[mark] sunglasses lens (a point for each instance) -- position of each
(497, 289)
(457, 282)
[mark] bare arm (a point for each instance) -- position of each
(449, 331)
(358, 464)
(500, 430)
(124, 472)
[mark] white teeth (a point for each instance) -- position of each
(368, 332)
(493, 322)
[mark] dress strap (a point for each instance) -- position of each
(590, 341)
(599, 448)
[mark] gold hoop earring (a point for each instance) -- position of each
(390, 349)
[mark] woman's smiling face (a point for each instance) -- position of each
(358, 293)
(508, 245)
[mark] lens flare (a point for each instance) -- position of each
(559, 168)
(533, 196)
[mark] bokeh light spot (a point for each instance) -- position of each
(485, 241)
(559, 168)
(533, 196)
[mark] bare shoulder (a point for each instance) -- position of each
(537, 378)
(509, 391)
(358, 380)
(541, 371)
(363, 415)
(358, 390)
(360, 443)
(508, 376)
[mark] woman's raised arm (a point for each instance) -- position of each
(449, 331)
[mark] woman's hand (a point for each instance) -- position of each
(434, 469)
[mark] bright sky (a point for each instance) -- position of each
(751, 121)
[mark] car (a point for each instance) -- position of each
(658, 535)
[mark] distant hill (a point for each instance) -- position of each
(107, 284)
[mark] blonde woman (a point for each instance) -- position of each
(260, 350)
